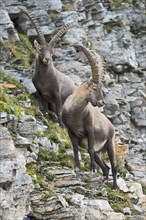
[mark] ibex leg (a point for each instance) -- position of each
(102, 164)
(91, 151)
(111, 154)
(74, 141)
(58, 106)
(42, 102)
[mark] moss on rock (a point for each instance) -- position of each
(22, 52)
(117, 199)
(12, 101)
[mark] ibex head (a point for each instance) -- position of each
(44, 49)
(94, 86)
(95, 94)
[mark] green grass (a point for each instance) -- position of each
(12, 102)
(22, 52)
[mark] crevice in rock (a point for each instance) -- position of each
(6, 185)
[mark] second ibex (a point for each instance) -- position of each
(87, 126)
(52, 85)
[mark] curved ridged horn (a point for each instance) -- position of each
(59, 34)
(101, 65)
(97, 66)
(37, 27)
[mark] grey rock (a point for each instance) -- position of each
(12, 122)
(101, 209)
(136, 103)
(4, 17)
(47, 145)
(3, 117)
(138, 116)
(137, 189)
(76, 199)
(111, 109)
(112, 17)
(88, 2)
(92, 213)
(55, 5)
(119, 68)
(114, 215)
(47, 26)
(7, 145)
(58, 174)
(63, 201)
(81, 16)
(79, 72)
(128, 89)
(14, 9)
(108, 81)
(119, 36)
(27, 126)
(102, 205)
(26, 79)
(75, 35)
(139, 47)
(22, 141)
(127, 211)
(15, 184)
(68, 17)
(98, 11)
(138, 208)
(48, 5)
(122, 185)
(25, 25)
(68, 183)
(7, 28)
(132, 77)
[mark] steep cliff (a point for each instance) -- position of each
(38, 147)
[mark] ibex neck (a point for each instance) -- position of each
(79, 100)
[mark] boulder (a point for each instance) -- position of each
(7, 30)
(15, 183)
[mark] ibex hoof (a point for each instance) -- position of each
(93, 170)
(105, 180)
(62, 126)
(115, 187)
(77, 169)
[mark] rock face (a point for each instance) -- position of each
(7, 27)
(115, 30)
(15, 183)
(70, 204)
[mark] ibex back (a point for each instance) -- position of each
(87, 126)
(52, 85)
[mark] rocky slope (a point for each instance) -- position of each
(38, 147)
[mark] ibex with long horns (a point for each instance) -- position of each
(52, 85)
(87, 126)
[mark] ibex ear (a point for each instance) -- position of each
(36, 45)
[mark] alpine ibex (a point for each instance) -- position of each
(52, 85)
(87, 126)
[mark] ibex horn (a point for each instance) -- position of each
(96, 64)
(37, 27)
(59, 34)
